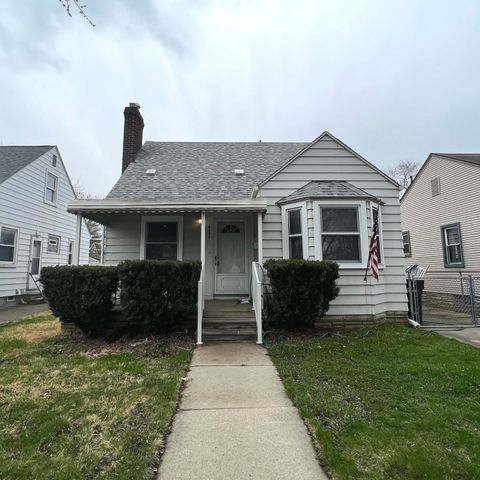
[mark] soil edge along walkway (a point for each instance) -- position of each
(235, 422)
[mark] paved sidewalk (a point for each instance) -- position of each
(470, 335)
(9, 314)
(236, 422)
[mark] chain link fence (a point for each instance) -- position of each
(438, 298)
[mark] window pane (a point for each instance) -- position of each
(7, 236)
(341, 247)
(406, 243)
(162, 232)
(35, 266)
(296, 247)
(339, 219)
(453, 236)
(294, 222)
(6, 254)
(454, 254)
(51, 181)
(161, 252)
(50, 195)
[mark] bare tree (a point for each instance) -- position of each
(404, 172)
(94, 228)
(67, 5)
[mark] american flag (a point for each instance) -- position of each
(372, 263)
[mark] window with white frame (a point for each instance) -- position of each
(8, 244)
(70, 252)
(452, 245)
(295, 237)
(54, 160)
(53, 244)
(163, 239)
(51, 188)
(340, 236)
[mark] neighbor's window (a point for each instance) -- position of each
(452, 245)
(407, 246)
(53, 244)
(70, 252)
(340, 234)
(161, 241)
(295, 240)
(51, 188)
(8, 243)
(435, 183)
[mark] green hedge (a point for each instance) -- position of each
(300, 291)
(81, 294)
(157, 294)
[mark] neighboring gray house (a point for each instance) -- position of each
(233, 205)
(35, 228)
(440, 214)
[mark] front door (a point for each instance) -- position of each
(35, 262)
(230, 259)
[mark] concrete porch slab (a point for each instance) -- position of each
(230, 354)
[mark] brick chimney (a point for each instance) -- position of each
(132, 134)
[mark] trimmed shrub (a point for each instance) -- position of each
(301, 291)
(81, 294)
(158, 294)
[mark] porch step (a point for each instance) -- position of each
(229, 314)
(32, 297)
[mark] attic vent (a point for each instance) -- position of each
(239, 172)
(151, 172)
(435, 186)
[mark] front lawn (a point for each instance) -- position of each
(83, 409)
(388, 403)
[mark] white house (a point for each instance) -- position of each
(35, 228)
(233, 205)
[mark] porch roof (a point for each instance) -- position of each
(101, 210)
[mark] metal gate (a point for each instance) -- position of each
(443, 299)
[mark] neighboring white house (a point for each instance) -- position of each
(440, 214)
(231, 204)
(35, 228)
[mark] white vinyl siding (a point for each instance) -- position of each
(328, 160)
(22, 197)
(424, 215)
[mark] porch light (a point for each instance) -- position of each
(198, 221)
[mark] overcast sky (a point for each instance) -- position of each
(393, 80)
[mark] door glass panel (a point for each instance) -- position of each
(36, 248)
(35, 263)
(231, 248)
(35, 268)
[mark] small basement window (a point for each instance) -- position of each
(53, 244)
(407, 246)
(452, 246)
(11, 298)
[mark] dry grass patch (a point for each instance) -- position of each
(80, 408)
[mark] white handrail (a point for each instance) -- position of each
(257, 297)
(200, 307)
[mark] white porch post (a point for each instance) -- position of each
(201, 283)
(202, 238)
(78, 240)
(260, 237)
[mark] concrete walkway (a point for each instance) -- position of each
(235, 422)
(471, 335)
(16, 312)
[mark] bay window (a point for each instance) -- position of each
(294, 231)
(340, 234)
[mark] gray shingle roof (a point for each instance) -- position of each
(327, 188)
(201, 170)
(14, 158)
(464, 157)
